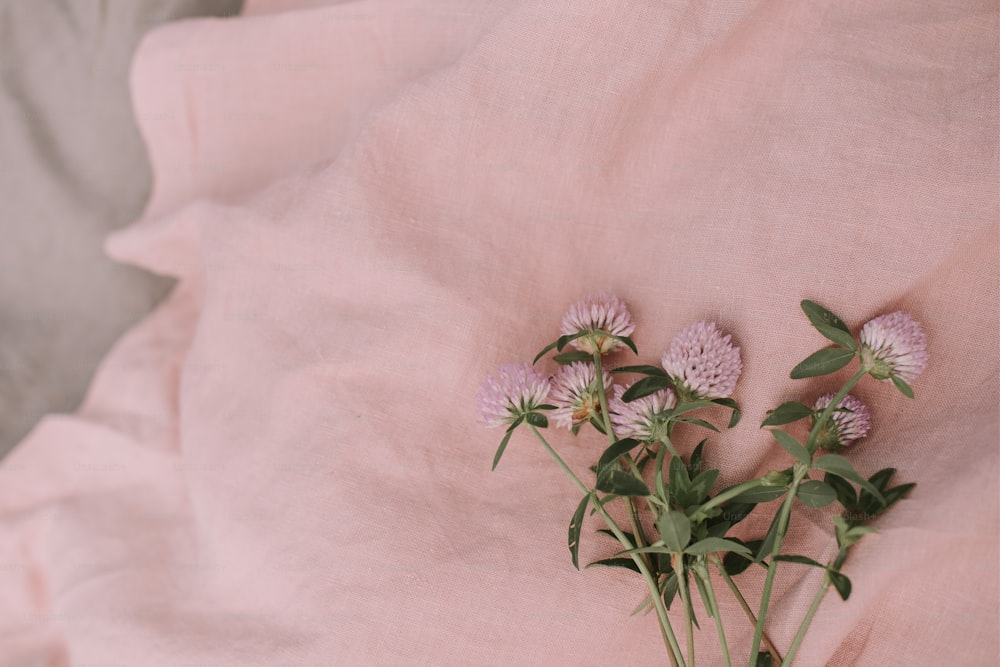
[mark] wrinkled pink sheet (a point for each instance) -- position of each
(370, 204)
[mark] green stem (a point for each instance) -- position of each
(713, 606)
(729, 494)
(786, 509)
(682, 587)
(804, 626)
(654, 589)
(633, 514)
(772, 567)
(768, 644)
(806, 621)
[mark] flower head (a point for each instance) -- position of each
(894, 344)
(516, 390)
(604, 312)
(575, 394)
(702, 362)
(846, 425)
(644, 418)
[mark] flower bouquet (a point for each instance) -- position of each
(677, 528)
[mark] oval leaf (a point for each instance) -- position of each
(570, 357)
(828, 324)
(620, 483)
(802, 560)
(575, 524)
(675, 530)
(901, 385)
(792, 446)
(616, 451)
(841, 583)
(816, 494)
(643, 369)
(645, 387)
(732, 405)
(824, 362)
(786, 413)
(537, 419)
(841, 467)
(626, 563)
(760, 494)
(714, 544)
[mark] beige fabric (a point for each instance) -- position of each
(72, 168)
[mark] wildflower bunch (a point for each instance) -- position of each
(680, 534)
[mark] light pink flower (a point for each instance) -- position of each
(575, 394)
(702, 362)
(644, 418)
(844, 427)
(602, 311)
(894, 344)
(516, 390)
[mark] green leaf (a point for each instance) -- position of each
(735, 563)
(814, 493)
(537, 419)
(732, 405)
(623, 339)
(896, 493)
(760, 494)
(545, 349)
(675, 529)
(626, 563)
(829, 324)
(704, 594)
(570, 357)
(620, 483)
(680, 482)
(786, 413)
(596, 423)
(764, 660)
(841, 467)
(736, 512)
(714, 544)
(545, 406)
(669, 589)
(802, 560)
(565, 340)
(697, 456)
(824, 362)
(616, 451)
(792, 446)
(506, 439)
(643, 369)
(841, 583)
(646, 603)
(702, 484)
(882, 477)
(767, 544)
(645, 387)
(605, 531)
(688, 407)
(698, 422)
(575, 524)
(901, 385)
(846, 494)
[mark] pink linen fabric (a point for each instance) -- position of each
(368, 205)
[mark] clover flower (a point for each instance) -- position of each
(845, 426)
(604, 312)
(894, 344)
(645, 418)
(575, 394)
(702, 362)
(517, 390)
